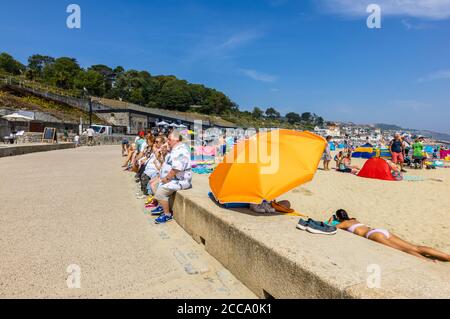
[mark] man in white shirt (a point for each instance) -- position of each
(90, 134)
(76, 140)
(175, 175)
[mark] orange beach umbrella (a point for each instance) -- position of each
(266, 166)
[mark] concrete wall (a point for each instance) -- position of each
(26, 149)
(107, 140)
(274, 259)
(138, 122)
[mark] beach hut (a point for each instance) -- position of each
(376, 168)
(364, 151)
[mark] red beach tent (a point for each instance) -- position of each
(376, 168)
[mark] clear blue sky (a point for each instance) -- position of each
(309, 55)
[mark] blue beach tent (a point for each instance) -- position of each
(364, 151)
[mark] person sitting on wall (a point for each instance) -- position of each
(175, 175)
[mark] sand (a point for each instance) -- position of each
(416, 211)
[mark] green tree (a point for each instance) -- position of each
(62, 73)
(293, 118)
(37, 63)
(174, 95)
(320, 121)
(108, 75)
(272, 113)
(217, 103)
(92, 81)
(257, 113)
(306, 117)
(199, 94)
(9, 65)
(134, 86)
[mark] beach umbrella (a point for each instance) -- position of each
(16, 117)
(162, 124)
(266, 166)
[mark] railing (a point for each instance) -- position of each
(23, 82)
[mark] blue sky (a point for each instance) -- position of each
(309, 55)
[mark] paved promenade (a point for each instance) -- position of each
(77, 206)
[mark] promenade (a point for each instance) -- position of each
(77, 206)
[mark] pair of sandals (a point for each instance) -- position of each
(264, 207)
(151, 203)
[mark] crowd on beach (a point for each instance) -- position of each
(162, 165)
(403, 154)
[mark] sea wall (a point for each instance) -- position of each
(276, 260)
(18, 149)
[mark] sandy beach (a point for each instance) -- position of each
(416, 211)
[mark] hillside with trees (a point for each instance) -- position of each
(142, 88)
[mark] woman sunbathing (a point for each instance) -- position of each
(384, 237)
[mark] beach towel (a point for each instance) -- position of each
(205, 150)
(410, 178)
(228, 205)
(202, 170)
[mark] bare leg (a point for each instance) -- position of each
(434, 253)
(165, 205)
(380, 238)
(133, 158)
(128, 159)
(422, 250)
(154, 184)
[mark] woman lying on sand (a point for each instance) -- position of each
(384, 237)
